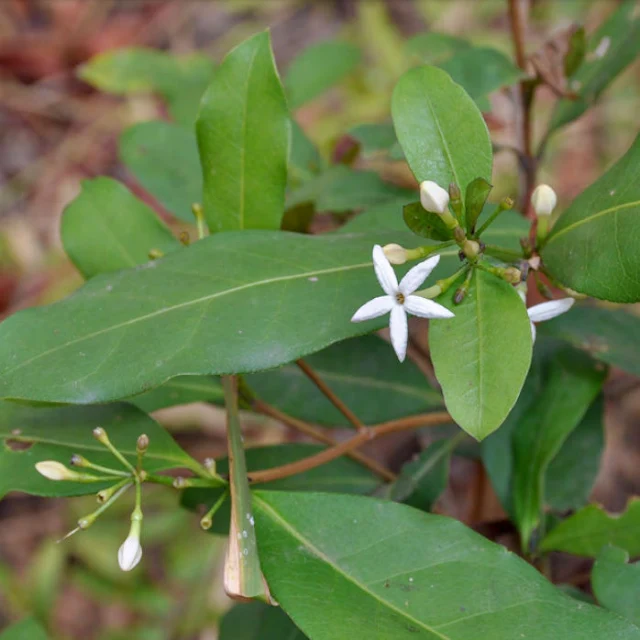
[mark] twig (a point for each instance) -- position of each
(320, 435)
(330, 395)
(366, 435)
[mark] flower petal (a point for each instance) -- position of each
(417, 275)
(533, 333)
(399, 331)
(384, 271)
(417, 306)
(374, 308)
(548, 310)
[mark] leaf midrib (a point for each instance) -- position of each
(184, 305)
(313, 549)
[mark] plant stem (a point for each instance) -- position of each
(330, 395)
(368, 434)
(508, 255)
(320, 435)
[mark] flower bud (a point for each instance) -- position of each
(395, 253)
(433, 197)
(512, 275)
(130, 552)
(142, 444)
(54, 470)
(544, 200)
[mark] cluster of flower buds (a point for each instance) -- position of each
(130, 552)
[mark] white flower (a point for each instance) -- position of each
(545, 310)
(54, 470)
(433, 197)
(544, 200)
(130, 552)
(398, 299)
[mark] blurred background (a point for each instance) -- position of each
(55, 130)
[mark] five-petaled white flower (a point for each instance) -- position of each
(398, 299)
(545, 310)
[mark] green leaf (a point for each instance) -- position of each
(422, 481)
(181, 81)
(611, 49)
(27, 629)
(425, 223)
(591, 528)
(243, 130)
(163, 157)
(435, 47)
(572, 473)
(180, 390)
(616, 584)
(576, 53)
(609, 335)
(58, 433)
(592, 246)
(475, 197)
(342, 475)
(381, 569)
(480, 71)
(258, 621)
(440, 129)
(374, 137)
(482, 355)
(107, 228)
(225, 304)
(318, 68)
(363, 372)
(341, 188)
(544, 428)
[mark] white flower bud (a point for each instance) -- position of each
(544, 200)
(433, 197)
(54, 470)
(395, 253)
(130, 552)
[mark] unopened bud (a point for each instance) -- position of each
(544, 200)
(53, 470)
(395, 253)
(471, 249)
(142, 444)
(184, 238)
(210, 466)
(512, 275)
(130, 552)
(100, 435)
(78, 461)
(154, 254)
(459, 295)
(455, 199)
(433, 197)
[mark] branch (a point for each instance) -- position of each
(366, 435)
(330, 395)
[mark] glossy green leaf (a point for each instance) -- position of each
(423, 479)
(440, 129)
(425, 223)
(341, 475)
(592, 247)
(258, 621)
(226, 304)
(482, 355)
(572, 473)
(481, 70)
(58, 433)
(243, 131)
(364, 373)
(27, 629)
(475, 198)
(381, 569)
(609, 335)
(544, 428)
(591, 528)
(181, 81)
(611, 48)
(107, 228)
(616, 583)
(180, 390)
(374, 137)
(318, 68)
(163, 157)
(435, 47)
(341, 188)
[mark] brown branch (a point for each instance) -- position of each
(331, 396)
(366, 435)
(321, 436)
